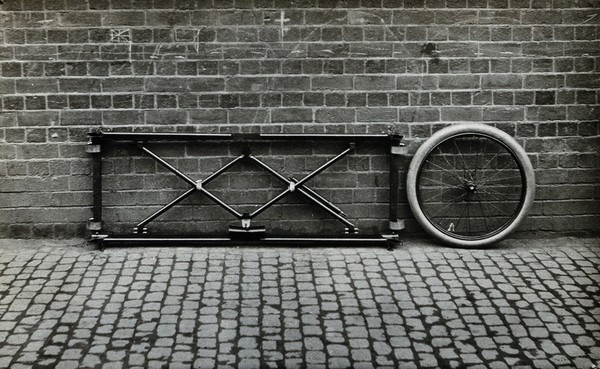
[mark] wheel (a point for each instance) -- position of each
(470, 185)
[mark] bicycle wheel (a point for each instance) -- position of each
(470, 185)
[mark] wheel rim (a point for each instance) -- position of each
(471, 186)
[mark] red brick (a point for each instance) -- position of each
(542, 113)
(374, 17)
(245, 116)
(129, 84)
(580, 16)
(79, 118)
(122, 117)
(164, 84)
(459, 82)
(507, 81)
(455, 16)
(332, 83)
(371, 50)
(38, 118)
(418, 114)
(28, 19)
(377, 115)
(583, 80)
(403, 17)
(461, 114)
(289, 83)
(541, 16)
(336, 115)
(416, 82)
(37, 85)
(329, 50)
(125, 18)
(254, 84)
(169, 19)
(513, 114)
(80, 85)
(291, 115)
(169, 117)
(374, 83)
(80, 19)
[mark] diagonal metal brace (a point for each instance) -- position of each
(196, 186)
(307, 192)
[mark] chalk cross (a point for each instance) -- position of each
(282, 19)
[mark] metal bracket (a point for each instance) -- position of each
(94, 226)
(199, 185)
(349, 230)
(246, 223)
(99, 237)
(138, 230)
(400, 149)
(397, 225)
(93, 149)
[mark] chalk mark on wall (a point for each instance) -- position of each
(120, 36)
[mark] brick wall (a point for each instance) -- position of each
(529, 67)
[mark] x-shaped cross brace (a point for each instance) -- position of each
(292, 183)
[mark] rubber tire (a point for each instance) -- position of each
(445, 134)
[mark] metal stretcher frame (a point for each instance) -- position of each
(246, 233)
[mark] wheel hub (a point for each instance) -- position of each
(471, 187)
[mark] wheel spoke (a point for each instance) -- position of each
(489, 161)
(444, 156)
(430, 199)
(492, 204)
(468, 218)
(487, 229)
(491, 191)
(461, 216)
(446, 170)
(462, 159)
(446, 207)
(498, 171)
(477, 158)
(495, 180)
(440, 182)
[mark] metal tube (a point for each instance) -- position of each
(169, 167)
(166, 207)
(221, 170)
(270, 203)
(214, 198)
(330, 137)
(321, 198)
(323, 167)
(164, 241)
(152, 136)
(336, 240)
(327, 209)
(269, 169)
(97, 187)
(212, 241)
(394, 186)
(397, 149)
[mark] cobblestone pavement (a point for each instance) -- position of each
(523, 305)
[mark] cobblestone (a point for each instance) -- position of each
(418, 306)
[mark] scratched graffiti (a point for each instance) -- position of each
(120, 36)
